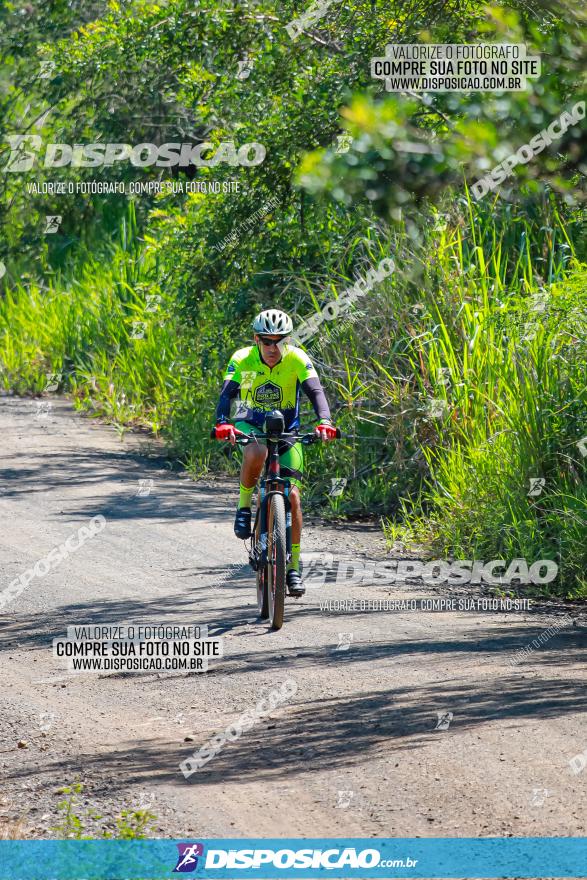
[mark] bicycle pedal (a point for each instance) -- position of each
(296, 594)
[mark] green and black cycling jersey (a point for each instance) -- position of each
(260, 388)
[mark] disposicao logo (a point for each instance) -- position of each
(187, 861)
(322, 859)
(27, 151)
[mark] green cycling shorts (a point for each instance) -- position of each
(291, 454)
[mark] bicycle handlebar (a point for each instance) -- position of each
(243, 439)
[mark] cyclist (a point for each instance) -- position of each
(267, 376)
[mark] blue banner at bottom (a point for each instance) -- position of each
(463, 857)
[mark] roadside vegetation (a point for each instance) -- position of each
(458, 381)
(75, 821)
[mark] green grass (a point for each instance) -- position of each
(501, 357)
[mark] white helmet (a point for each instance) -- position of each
(273, 321)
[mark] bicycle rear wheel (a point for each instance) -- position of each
(276, 560)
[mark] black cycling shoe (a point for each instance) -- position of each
(242, 523)
(294, 583)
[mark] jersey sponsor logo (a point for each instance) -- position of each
(268, 395)
(231, 368)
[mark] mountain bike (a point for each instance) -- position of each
(270, 549)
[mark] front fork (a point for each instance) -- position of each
(276, 486)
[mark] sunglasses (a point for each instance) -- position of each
(269, 342)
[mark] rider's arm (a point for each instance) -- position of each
(311, 386)
(229, 390)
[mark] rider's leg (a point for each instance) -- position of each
(292, 467)
(253, 460)
(296, 527)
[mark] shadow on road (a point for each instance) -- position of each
(167, 498)
(325, 734)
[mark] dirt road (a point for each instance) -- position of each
(357, 751)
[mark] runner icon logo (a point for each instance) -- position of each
(344, 641)
(187, 860)
(536, 486)
(338, 486)
(344, 798)
(539, 795)
(52, 223)
(343, 143)
(444, 719)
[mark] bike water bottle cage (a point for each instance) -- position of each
(274, 423)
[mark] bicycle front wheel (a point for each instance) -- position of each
(262, 596)
(276, 560)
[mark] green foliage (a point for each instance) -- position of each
(71, 826)
(129, 825)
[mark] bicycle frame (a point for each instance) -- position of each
(272, 484)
